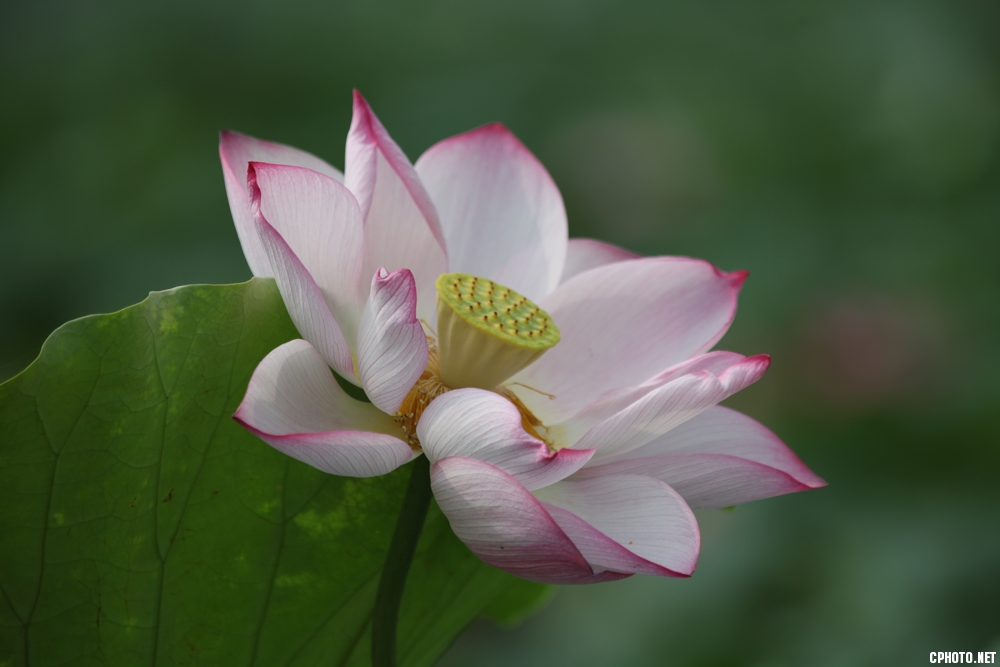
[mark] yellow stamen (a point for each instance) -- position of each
(426, 389)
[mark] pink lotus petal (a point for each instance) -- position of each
(480, 424)
(720, 430)
(505, 526)
(344, 453)
(236, 152)
(304, 301)
(602, 552)
(585, 254)
(320, 221)
(501, 213)
(293, 391)
(641, 514)
(668, 406)
(707, 481)
(623, 322)
(717, 459)
(294, 404)
(392, 346)
(400, 222)
(715, 362)
(611, 402)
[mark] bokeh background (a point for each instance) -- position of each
(846, 153)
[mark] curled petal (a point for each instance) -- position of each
(622, 322)
(304, 301)
(236, 151)
(320, 221)
(669, 406)
(642, 515)
(602, 552)
(295, 405)
(716, 363)
(505, 526)
(344, 453)
(500, 211)
(585, 254)
(392, 346)
(479, 424)
(720, 430)
(400, 223)
(717, 459)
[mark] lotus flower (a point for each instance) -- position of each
(566, 398)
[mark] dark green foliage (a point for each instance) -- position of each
(141, 525)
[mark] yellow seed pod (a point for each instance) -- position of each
(487, 332)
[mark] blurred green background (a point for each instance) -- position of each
(846, 153)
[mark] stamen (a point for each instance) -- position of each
(433, 334)
(537, 391)
(529, 422)
(426, 389)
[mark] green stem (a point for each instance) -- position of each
(397, 564)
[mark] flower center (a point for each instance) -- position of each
(486, 334)
(426, 389)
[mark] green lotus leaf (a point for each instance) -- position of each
(140, 525)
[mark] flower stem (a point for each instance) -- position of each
(409, 524)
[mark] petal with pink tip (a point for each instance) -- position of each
(304, 301)
(602, 552)
(501, 213)
(715, 362)
(717, 459)
(482, 425)
(720, 430)
(585, 254)
(505, 526)
(344, 453)
(641, 514)
(707, 481)
(295, 405)
(614, 401)
(392, 346)
(623, 321)
(319, 220)
(669, 406)
(236, 151)
(400, 223)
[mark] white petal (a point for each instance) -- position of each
(344, 453)
(612, 402)
(480, 424)
(622, 323)
(602, 552)
(320, 221)
(585, 254)
(294, 404)
(501, 213)
(717, 459)
(392, 346)
(669, 406)
(642, 514)
(505, 526)
(401, 227)
(236, 151)
(304, 301)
